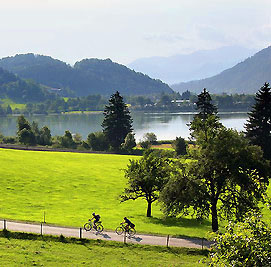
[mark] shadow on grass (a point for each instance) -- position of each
(201, 225)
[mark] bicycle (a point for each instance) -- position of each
(89, 225)
(120, 229)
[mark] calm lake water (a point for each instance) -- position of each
(164, 125)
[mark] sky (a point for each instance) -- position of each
(124, 30)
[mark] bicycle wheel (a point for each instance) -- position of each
(131, 231)
(119, 230)
(87, 226)
(99, 228)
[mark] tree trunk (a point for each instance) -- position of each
(149, 209)
(214, 217)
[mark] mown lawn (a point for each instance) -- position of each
(17, 252)
(68, 187)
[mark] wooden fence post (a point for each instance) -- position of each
(202, 243)
(167, 240)
(124, 237)
(41, 228)
(80, 233)
(5, 225)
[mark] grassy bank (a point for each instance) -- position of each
(26, 249)
(69, 186)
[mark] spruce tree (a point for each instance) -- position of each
(117, 121)
(205, 105)
(258, 126)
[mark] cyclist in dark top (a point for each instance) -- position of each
(128, 224)
(96, 218)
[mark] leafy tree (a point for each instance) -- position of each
(146, 177)
(25, 134)
(45, 136)
(26, 137)
(258, 126)
(243, 244)
(129, 142)
(180, 146)
(22, 123)
(226, 178)
(67, 140)
(117, 121)
(150, 137)
(97, 141)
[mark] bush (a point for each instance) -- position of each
(150, 137)
(129, 142)
(9, 140)
(243, 244)
(97, 141)
(145, 144)
(180, 146)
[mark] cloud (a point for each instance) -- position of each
(164, 37)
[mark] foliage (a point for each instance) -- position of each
(243, 244)
(258, 126)
(25, 133)
(146, 178)
(117, 121)
(97, 141)
(150, 137)
(180, 146)
(67, 141)
(129, 142)
(226, 178)
(145, 144)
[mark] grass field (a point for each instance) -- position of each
(5, 102)
(18, 252)
(70, 186)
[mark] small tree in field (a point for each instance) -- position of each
(180, 146)
(117, 121)
(146, 178)
(227, 178)
(129, 142)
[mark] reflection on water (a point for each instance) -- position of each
(164, 125)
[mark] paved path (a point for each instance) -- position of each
(105, 235)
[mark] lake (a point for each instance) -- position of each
(166, 126)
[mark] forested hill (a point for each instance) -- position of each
(89, 76)
(20, 90)
(246, 77)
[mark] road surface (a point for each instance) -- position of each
(143, 239)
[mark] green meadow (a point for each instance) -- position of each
(6, 101)
(52, 252)
(68, 187)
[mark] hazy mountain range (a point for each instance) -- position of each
(197, 65)
(245, 77)
(86, 77)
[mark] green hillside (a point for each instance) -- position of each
(246, 77)
(20, 90)
(89, 76)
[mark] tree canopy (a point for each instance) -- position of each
(258, 126)
(117, 121)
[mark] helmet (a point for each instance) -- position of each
(124, 218)
(93, 213)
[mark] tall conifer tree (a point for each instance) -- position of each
(117, 121)
(258, 126)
